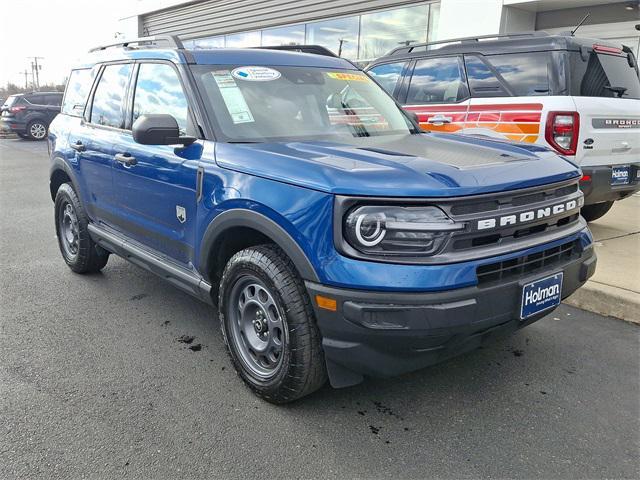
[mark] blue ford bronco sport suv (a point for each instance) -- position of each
(336, 239)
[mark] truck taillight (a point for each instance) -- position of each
(562, 131)
(16, 109)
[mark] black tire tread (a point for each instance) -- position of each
(306, 370)
(89, 258)
(595, 211)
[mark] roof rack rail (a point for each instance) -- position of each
(315, 49)
(171, 40)
(411, 47)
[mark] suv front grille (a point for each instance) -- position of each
(510, 204)
(516, 201)
(528, 264)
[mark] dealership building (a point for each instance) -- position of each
(364, 30)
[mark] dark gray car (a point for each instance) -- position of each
(29, 114)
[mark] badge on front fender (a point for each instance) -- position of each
(181, 214)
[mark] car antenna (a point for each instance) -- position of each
(580, 24)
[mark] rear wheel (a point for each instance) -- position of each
(79, 251)
(37, 130)
(595, 211)
(268, 325)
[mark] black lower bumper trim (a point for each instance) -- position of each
(383, 334)
(597, 188)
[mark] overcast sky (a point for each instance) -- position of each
(61, 31)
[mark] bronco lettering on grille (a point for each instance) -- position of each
(527, 216)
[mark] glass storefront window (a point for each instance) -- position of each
(340, 36)
(292, 35)
(360, 38)
(381, 32)
(434, 20)
(211, 42)
(243, 40)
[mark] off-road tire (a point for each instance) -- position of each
(89, 257)
(595, 211)
(302, 369)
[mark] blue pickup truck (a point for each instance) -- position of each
(336, 239)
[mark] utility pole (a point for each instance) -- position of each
(26, 81)
(36, 69)
(342, 41)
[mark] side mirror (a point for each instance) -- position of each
(158, 129)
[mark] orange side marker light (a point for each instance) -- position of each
(326, 303)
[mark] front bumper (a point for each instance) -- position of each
(382, 334)
(598, 187)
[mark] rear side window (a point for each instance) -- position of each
(78, 88)
(525, 74)
(36, 99)
(388, 75)
(437, 80)
(108, 105)
(603, 75)
(158, 90)
(482, 81)
(53, 100)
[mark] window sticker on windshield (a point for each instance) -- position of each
(356, 77)
(256, 74)
(232, 96)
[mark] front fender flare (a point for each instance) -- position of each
(59, 164)
(240, 217)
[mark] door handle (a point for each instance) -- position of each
(78, 146)
(126, 159)
(439, 120)
(624, 147)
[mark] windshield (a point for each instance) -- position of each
(604, 76)
(258, 104)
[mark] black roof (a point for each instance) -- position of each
(497, 44)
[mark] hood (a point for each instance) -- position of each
(425, 165)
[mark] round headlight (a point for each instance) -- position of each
(397, 230)
(370, 228)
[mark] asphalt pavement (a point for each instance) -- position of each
(95, 384)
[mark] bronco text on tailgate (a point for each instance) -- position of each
(336, 239)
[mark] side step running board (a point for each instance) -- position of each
(182, 278)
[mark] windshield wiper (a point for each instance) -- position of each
(620, 91)
(242, 141)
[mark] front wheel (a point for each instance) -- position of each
(79, 251)
(595, 211)
(269, 327)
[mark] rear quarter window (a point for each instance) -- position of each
(77, 91)
(603, 75)
(36, 100)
